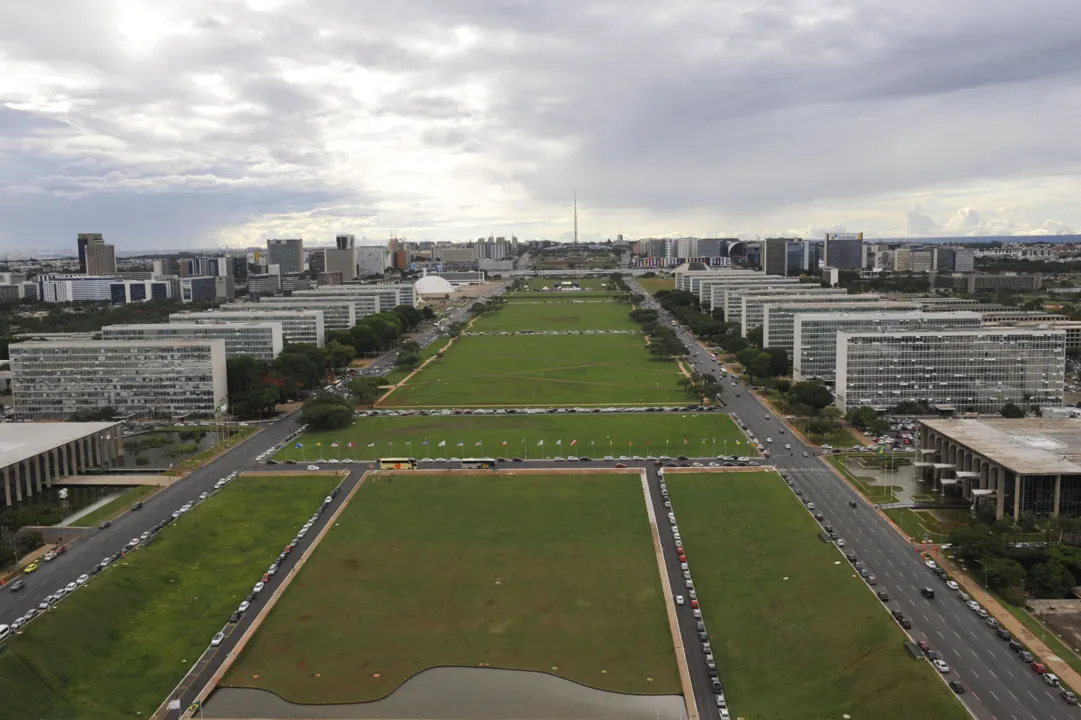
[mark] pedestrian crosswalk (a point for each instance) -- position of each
(817, 469)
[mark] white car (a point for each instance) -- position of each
(941, 666)
(216, 640)
(679, 600)
(787, 446)
(82, 579)
(313, 467)
(952, 585)
(840, 542)
(973, 605)
(244, 606)
(204, 496)
(70, 588)
(697, 614)
(930, 563)
(258, 587)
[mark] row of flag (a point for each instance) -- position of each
(540, 443)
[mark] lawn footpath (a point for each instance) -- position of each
(542, 370)
(796, 633)
(594, 434)
(545, 316)
(553, 573)
(116, 506)
(117, 646)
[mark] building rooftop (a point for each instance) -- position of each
(1027, 446)
(21, 441)
(896, 315)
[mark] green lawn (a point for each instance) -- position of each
(557, 316)
(398, 374)
(653, 285)
(795, 632)
(114, 507)
(120, 644)
(542, 370)
(554, 573)
(592, 283)
(876, 493)
(920, 524)
(596, 434)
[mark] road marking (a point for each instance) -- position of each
(1014, 696)
(993, 695)
(940, 634)
(1032, 696)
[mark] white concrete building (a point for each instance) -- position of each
(338, 313)
(260, 340)
(778, 326)
(298, 326)
(815, 334)
(753, 305)
(34, 455)
(733, 298)
(969, 370)
(387, 296)
(158, 378)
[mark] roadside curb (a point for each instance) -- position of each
(1005, 618)
(669, 603)
(203, 694)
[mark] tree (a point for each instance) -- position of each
(327, 412)
(1050, 579)
(1004, 573)
(297, 367)
(1009, 410)
(861, 416)
(427, 312)
(778, 364)
(754, 337)
(364, 339)
(242, 373)
(338, 355)
(409, 315)
(813, 394)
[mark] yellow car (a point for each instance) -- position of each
(31, 568)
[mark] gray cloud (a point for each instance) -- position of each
(786, 114)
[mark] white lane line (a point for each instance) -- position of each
(1032, 696)
(1014, 696)
(993, 694)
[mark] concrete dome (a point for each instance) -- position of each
(433, 285)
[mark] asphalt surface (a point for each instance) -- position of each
(998, 685)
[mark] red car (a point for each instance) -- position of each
(1039, 667)
(683, 558)
(694, 603)
(60, 549)
(620, 465)
(266, 577)
(924, 647)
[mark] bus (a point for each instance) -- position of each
(397, 464)
(478, 463)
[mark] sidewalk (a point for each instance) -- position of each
(1012, 624)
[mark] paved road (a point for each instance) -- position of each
(999, 686)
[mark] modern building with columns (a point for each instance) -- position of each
(1017, 465)
(34, 455)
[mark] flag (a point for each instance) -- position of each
(334, 444)
(629, 443)
(371, 444)
(573, 443)
(424, 443)
(390, 444)
(476, 444)
(300, 445)
(881, 449)
(350, 444)
(504, 443)
(540, 442)
(319, 444)
(442, 443)
(559, 442)
(460, 443)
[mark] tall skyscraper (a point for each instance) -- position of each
(84, 240)
(346, 242)
(288, 254)
(96, 257)
(844, 251)
(774, 256)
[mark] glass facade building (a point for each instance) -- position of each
(298, 326)
(161, 378)
(971, 371)
(262, 340)
(815, 334)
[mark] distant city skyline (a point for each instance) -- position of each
(203, 123)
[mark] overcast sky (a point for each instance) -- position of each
(198, 123)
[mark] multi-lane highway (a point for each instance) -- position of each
(998, 684)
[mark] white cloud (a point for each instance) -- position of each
(450, 119)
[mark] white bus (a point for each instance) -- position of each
(478, 463)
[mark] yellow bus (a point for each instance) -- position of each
(397, 464)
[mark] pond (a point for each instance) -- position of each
(163, 449)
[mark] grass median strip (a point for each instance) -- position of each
(516, 316)
(117, 646)
(554, 573)
(595, 435)
(116, 506)
(795, 632)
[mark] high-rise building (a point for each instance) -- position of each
(260, 340)
(778, 319)
(198, 289)
(371, 260)
(346, 242)
(968, 370)
(287, 254)
(339, 313)
(775, 256)
(100, 257)
(815, 334)
(343, 260)
(749, 308)
(159, 378)
(298, 326)
(845, 251)
(84, 240)
(390, 295)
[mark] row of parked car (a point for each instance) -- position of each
(272, 571)
(696, 610)
(536, 411)
(270, 451)
(143, 540)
